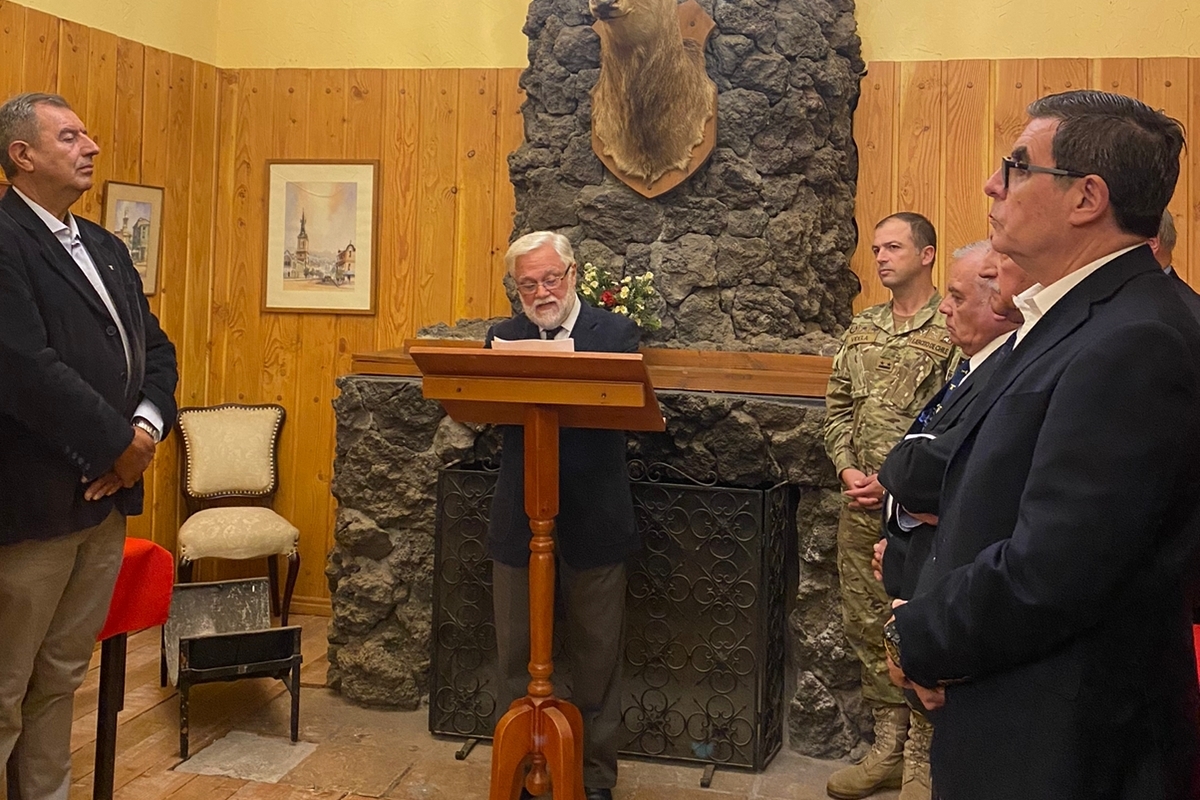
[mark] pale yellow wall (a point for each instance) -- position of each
(184, 27)
(914, 30)
(487, 33)
(372, 33)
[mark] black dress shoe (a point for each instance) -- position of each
(597, 794)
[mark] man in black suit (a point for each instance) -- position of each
(1163, 244)
(87, 391)
(916, 465)
(979, 331)
(594, 531)
(1055, 623)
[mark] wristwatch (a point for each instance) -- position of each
(891, 641)
(144, 424)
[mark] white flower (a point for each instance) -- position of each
(648, 276)
(624, 291)
(621, 310)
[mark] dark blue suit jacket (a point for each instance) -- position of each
(595, 524)
(1186, 293)
(66, 399)
(911, 469)
(1070, 520)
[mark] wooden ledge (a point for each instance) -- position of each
(689, 370)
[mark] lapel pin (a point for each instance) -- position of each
(110, 266)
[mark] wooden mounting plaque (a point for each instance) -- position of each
(697, 25)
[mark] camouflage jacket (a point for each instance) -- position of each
(881, 379)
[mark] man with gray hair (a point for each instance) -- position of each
(87, 392)
(1053, 622)
(1163, 247)
(1162, 244)
(980, 334)
(594, 530)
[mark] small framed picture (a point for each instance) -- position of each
(134, 214)
(321, 226)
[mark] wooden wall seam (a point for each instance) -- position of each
(989, 121)
(928, 134)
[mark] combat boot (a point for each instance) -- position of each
(915, 785)
(883, 767)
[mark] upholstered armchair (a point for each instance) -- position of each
(230, 474)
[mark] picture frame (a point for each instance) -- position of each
(322, 229)
(134, 214)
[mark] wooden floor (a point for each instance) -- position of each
(361, 753)
(148, 727)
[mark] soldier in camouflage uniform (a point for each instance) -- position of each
(893, 358)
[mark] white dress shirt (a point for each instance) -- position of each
(568, 324)
(67, 234)
(1035, 301)
(989, 348)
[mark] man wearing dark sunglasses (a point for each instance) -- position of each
(1054, 614)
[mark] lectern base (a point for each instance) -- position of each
(545, 734)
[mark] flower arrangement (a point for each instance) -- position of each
(628, 296)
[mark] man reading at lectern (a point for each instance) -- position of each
(594, 531)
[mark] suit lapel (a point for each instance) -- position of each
(53, 253)
(99, 247)
(529, 329)
(584, 332)
(959, 399)
(1070, 312)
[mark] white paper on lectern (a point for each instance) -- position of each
(538, 345)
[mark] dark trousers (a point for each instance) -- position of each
(594, 621)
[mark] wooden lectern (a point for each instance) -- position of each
(542, 392)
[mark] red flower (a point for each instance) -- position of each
(608, 299)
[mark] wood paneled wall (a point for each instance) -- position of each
(930, 133)
(154, 116)
(441, 137)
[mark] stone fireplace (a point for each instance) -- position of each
(749, 254)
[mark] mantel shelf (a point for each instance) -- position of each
(779, 374)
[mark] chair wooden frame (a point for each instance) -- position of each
(265, 499)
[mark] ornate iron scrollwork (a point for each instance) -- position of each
(658, 471)
(705, 621)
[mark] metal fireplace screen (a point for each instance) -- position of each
(704, 635)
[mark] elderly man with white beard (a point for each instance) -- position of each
(594, 530)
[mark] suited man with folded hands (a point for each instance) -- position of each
(1055, 623)
(980, 317)
(87, 382)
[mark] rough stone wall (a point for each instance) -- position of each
(391, 443)
(752, 251)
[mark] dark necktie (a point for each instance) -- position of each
(550, 333)
(960, 375)
(935, 405)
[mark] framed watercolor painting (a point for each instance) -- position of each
(134, 214)
(322, 218)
